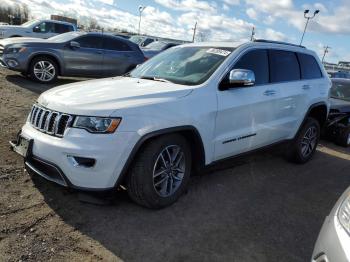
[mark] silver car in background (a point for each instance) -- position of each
(333, 243)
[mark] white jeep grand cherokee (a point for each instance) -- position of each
(186, 108)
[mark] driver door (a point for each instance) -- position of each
(246, 115)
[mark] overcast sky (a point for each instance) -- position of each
(217, 20)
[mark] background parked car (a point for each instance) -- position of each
(156, 47)
(36, 28)
(142, 40)
(339, 74)
(337, 127)
(333, 242)
(70, 54)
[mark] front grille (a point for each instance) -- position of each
(48, 121)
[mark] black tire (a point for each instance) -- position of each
(296, 150)
(343, 138)
(35, 63)
(141, 182)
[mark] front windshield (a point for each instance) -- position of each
(30, 23)
(341, 90)
(191, 65)
(65, 37)
(136, 39)
(157, 45)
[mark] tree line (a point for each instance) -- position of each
(15, 14)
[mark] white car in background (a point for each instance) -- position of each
(333, 243)
(188, 107)
(36, 29)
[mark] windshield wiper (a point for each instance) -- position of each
(155, 79)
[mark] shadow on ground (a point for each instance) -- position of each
(36, 87)
(262, 209)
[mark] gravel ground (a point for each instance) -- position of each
(257, 208)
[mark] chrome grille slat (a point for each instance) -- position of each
(49, 121)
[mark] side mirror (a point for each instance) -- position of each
(74, 45)
(36, 29)
(242, 77)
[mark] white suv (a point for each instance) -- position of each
(36, 29)
(184, 109)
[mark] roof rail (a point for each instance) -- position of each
(277, 42)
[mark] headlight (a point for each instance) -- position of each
(97, 124)
(344, 214)
(15, 50)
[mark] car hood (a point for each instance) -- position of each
(341, 105)
(11, 27)
(21, 40)
(104, 96)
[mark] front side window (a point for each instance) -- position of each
(90, 41)
(284, 66)
(309, 67)
(256, 61)
(191, 65)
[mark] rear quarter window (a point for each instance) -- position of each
(309, 67)
(110, 43)
(284, 66)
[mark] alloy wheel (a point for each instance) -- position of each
(44, 71)
(169, 170)
(308, 143)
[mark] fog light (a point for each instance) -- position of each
(12, 63)
(81, 161)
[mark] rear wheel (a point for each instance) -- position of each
(303, 147)
(161, 172)
(43, 70)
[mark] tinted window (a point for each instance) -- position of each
(147, 41)
(284, 66)
(90, 41)
(309, 67)
(341, 90)
(115, 44)
(61, 28)
(257, 61)
(46, 27)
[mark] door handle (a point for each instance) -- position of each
(306, 87)
(270, 92)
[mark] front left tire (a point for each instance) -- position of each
(43, 70)
(161, 172)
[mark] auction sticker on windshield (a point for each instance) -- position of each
(218, 51)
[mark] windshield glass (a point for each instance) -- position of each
(65, 37)
(341, 90)
(30, 23)
(191, 65)
(157, 45)
(136, 39)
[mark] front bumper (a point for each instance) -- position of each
(49, 157)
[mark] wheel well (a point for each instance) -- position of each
(319, 113)
(190, 134)
(47, 56)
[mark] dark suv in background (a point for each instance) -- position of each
(70, 54)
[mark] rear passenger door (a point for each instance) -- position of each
(85, 60)
(118, 57)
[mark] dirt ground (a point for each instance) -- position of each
(258, 208)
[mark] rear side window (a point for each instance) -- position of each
(110, 43)
(309, 67)
(62, 28)
(256, 61)
(90, 41)
(284, 66)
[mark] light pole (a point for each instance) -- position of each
(194, 31)
(307, 21)
(326, 50)
(253, 34)
(141, 8)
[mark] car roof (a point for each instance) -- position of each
(56, 21)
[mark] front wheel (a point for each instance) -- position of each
(343, 138)
(43, 70)
(161, 172)
(303, 147)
